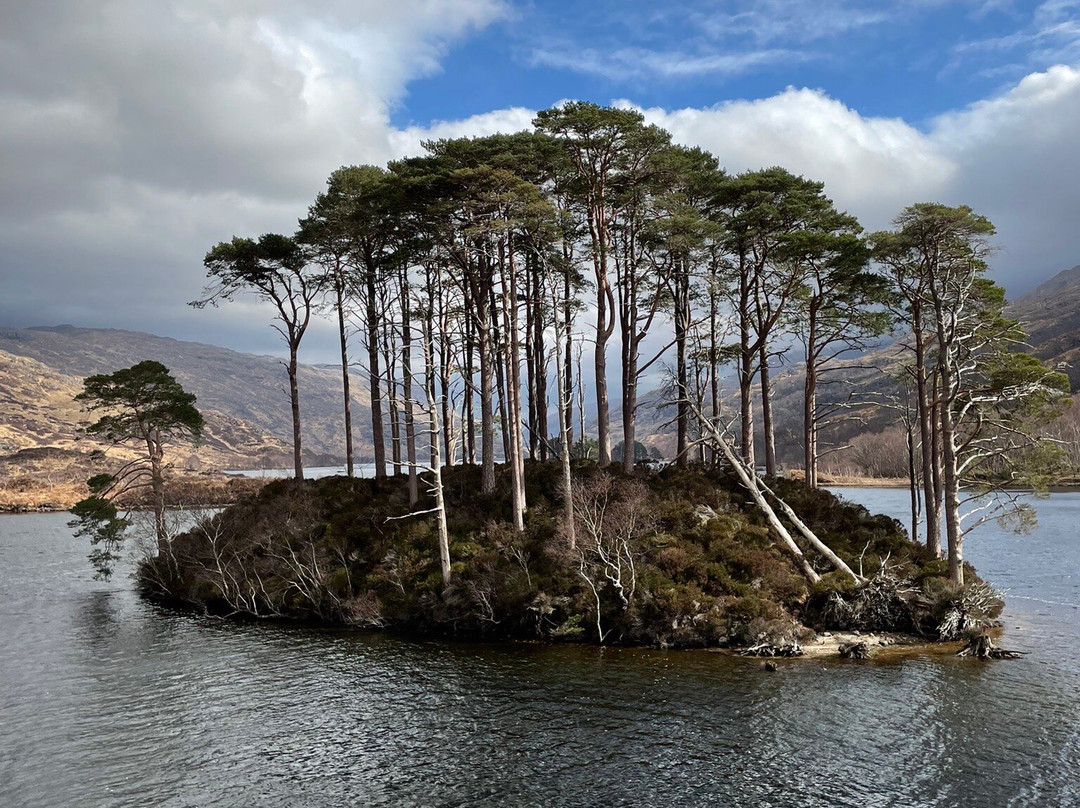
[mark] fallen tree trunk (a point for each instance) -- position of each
(753, 484)
(766, 649)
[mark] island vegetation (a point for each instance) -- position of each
(480, 275)
(676, 557)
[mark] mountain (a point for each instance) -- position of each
(1050, 314)
(241, 395)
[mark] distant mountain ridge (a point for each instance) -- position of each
(244, 392)
(1050, 314)
(41, 369)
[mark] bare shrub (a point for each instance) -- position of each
(611, 519)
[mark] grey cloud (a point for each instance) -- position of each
(134, 135)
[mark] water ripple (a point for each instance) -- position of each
(108, 701)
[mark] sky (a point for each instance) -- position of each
(134, 135)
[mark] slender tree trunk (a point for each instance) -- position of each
(714, 353)
(951, 502)
(445, 353)
(682, 325)
(294, 401)
(581, 409)
(497, 340)
(766, 413)
(810, 424)
(568, 358)
(487, 413)
(540, 352)
(470, 390)
(936, 456)
(927, 431)
(746, 369)
(339, 292)
(378, 438)
(516, 455)
(406, 389)
(746, 405)
(603, 330)
(157, 490)
(392, 401)
(532, 314)
(436, 465)
(913, 485)
(564, 392)
(629, 401)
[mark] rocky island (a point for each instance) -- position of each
(668, 558)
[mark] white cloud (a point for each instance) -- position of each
(1012, 157)
(872, 166)
(507, 121)
(624, 63)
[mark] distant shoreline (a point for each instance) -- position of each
(195, 487)
(193, 490)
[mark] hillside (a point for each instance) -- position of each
(242, 395)
(1050, 314)
(37, 409)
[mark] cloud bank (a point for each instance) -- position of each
(134, 136)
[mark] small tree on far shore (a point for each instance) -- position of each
(142, 406)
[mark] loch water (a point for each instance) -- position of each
(106, 700)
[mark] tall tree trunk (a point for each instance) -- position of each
(445, 354)
(766, 413)
(603, 331)
(714, 354)
(157, 490)
(339, 303)
(487, 411)
(810, 424)
(682, 327)
(497, 340)
(746, 405)
(516, 455)
(378, 438)
(629, 410)
(532, 359)
(540, 352)
(390, 355)
(927, 431)
(951, 481)
(406, 389)
(436, 465)
(746, 369)
(564, 392)
(294, 401)
(470, 391)
(568, 358)
(913, 485)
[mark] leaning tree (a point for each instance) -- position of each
(141, 406)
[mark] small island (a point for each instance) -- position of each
(671, 558)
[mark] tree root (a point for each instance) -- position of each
(854, 650)
(983, 647)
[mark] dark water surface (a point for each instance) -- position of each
(108, 701)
